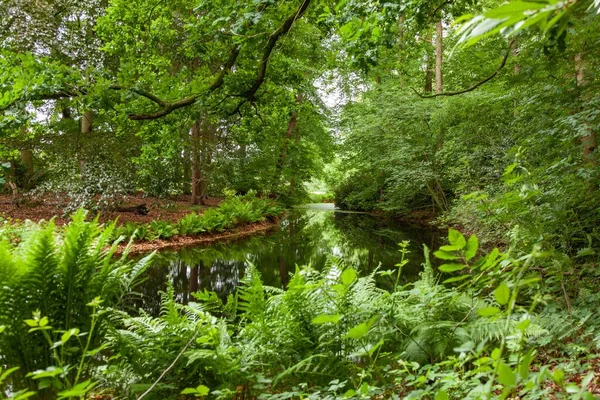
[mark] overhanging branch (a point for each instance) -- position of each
(169, 107)
(273, 38)
(470, 89)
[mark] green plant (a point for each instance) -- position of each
(147, 346)
(191, 224)
(161, 230)
(132, 230)
(57, 274)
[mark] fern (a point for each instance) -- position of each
(57, 274)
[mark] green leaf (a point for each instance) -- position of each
(441, 395)
(525, 364)
(465, 347)
(360, 330)
(325, 319)
(6, 373)
(506, 376)
(488, 311)
(31, 322)
(502, 294)
(457, 278)
(559, 377)
(444, 255)
(456, 238)
(78, 390)
(348, 276)
(513, 9)
(202, 390)
(451, 267)
(471, 247)
(67, 335)
(523, 325)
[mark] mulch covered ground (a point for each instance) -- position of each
(172, 209)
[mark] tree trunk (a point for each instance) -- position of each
(86, 129)
(27, 161)
(186, 162)
(589, 142)
(202, 135)
(11, 179)
(438, 56)
(196, 172)
(291, 127)
(187, 172)
(194, 279)
(429, 66)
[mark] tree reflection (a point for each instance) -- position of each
(303, 237)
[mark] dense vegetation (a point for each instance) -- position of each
(477, 117)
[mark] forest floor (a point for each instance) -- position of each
(170, 209)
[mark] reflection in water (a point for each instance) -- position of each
(304, 237)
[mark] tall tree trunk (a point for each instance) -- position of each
(289, 133)
(288, 136)
(439, 36)
(11, 179)
(187, 172)
(196, 164)
(86, 129)
(194, 279)
(27, 161)
(186, 161)
(429, 65)
(202, 135)
(589, 142)
(293, 176)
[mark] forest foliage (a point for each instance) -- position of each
(479, 116)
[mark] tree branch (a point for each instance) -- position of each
(273, 38)
(168, 107)
(475, 86)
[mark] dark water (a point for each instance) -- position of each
(305, 236)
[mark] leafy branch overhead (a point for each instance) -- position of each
(167, 107)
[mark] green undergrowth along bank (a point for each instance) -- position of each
(232, 212)
(476, 327)
(54, 286)
(335, 335)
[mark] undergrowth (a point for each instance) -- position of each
(479, 326)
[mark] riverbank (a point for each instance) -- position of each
(181, 241)
(234, 217)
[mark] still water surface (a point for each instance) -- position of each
(306, 236)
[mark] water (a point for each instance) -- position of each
(309, 235)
